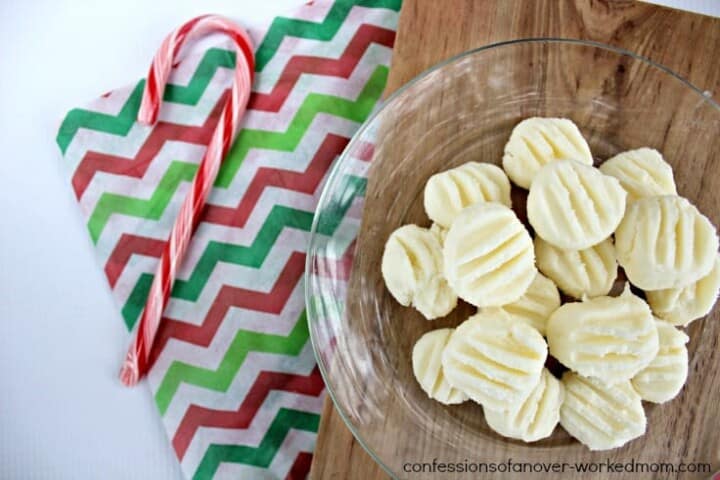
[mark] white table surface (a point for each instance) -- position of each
(63, 413)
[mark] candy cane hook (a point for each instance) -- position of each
(136, 361)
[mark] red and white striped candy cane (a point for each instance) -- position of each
(136, 362)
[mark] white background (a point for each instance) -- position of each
(63, 413)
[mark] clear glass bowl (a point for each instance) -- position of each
(462, 110)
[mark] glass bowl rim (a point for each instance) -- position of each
(335, 169)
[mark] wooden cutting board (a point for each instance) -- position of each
(433, 30)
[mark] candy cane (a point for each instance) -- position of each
(136, 362)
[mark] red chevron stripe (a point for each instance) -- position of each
(338, 269)
(365, 151)
(300, 467)
(341, 67)
(126, 247)
(305, 182)
(228, 297)
(94, 162)
(196, 416)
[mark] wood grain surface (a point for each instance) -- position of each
(431, 31)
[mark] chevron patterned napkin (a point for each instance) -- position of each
(234, 377)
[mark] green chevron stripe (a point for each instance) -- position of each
(262, 455)
(136, 301)
(313, 104)
(121, 123)
(325, 306)
(152, 208)
(245, 341)
(191, 93)
(349, 188)
(253, 256)
(283, 27)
